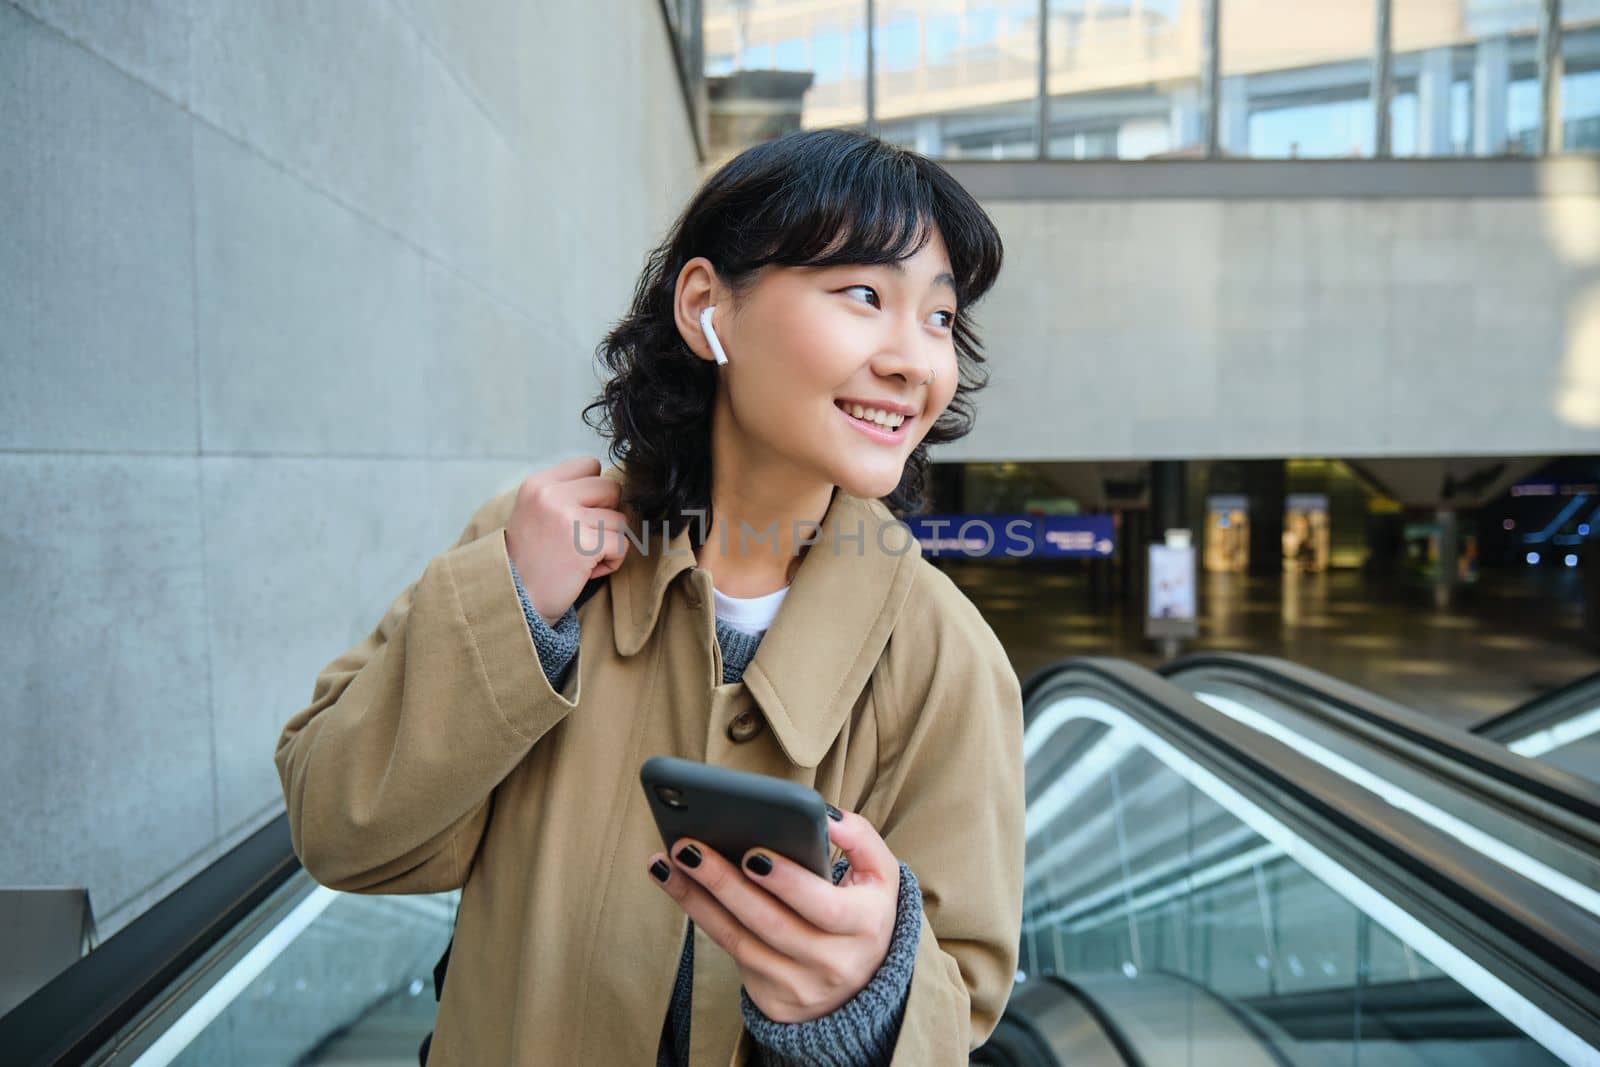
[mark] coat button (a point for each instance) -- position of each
(744, 726)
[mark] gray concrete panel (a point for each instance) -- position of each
(554, 219)
(1237, 327)
(96, 322)
(148, 39)
(614, 220)
(495, 382)
(310, 318)
(485, 48)
(367, 263)
(490, 206)
(331, 91)
(107, 760)
(1357, 373)
(321, 333)
(302, 559)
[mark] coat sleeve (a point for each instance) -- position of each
(388, 774)
(955, 814)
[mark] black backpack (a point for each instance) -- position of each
(590, 587)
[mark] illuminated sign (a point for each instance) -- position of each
(1016, 536)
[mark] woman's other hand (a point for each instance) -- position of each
(803, 945)
(565, 529)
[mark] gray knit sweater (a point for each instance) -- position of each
(861, 1032)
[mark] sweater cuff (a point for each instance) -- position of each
(862, 1031)
(556, 647)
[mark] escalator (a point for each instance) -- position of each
(251, 962)
(1532, 815)
(1201, 888)
(1561, 728)
(1204, 887)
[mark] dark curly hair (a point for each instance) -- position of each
(815, 198)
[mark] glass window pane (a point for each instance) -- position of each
(1002, 131)
(1125, 79)
(827, 38)
(1580, 84)
(899, 45)
(1297, 78)
(1470, 72)
(756, 57)
(959, 80)
(791, 54)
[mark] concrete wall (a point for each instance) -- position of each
(1170, 310)
(286, 291)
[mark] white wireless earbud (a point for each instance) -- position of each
(711, 335)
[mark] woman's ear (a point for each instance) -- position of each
(697, 282)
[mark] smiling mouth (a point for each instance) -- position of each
(874, 427)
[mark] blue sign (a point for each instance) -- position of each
(1015, 536)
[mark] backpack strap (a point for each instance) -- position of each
(444, 962)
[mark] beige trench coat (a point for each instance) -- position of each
(435, 755)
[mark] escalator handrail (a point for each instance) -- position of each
(1510, 922)
(74, 1014)
(1501, 774)
(1115, 1035)
(1534, 713)
(1239, 1013)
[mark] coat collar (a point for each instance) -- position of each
(832, 627)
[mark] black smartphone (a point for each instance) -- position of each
(735, 811)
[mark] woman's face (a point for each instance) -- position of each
(808, 343)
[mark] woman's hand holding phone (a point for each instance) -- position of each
(803, 945)
(565, 529)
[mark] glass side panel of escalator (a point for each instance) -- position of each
(1144, 869)
(311, 976)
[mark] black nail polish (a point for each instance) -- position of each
(758, 864)
(660, 871)
(689, 856)
(833, 813)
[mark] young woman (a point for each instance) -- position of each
(793, 347)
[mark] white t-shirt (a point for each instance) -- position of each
(751, 615)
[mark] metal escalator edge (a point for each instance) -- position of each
(74, 1014)
(1058, 1023)
(1235, 1011)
